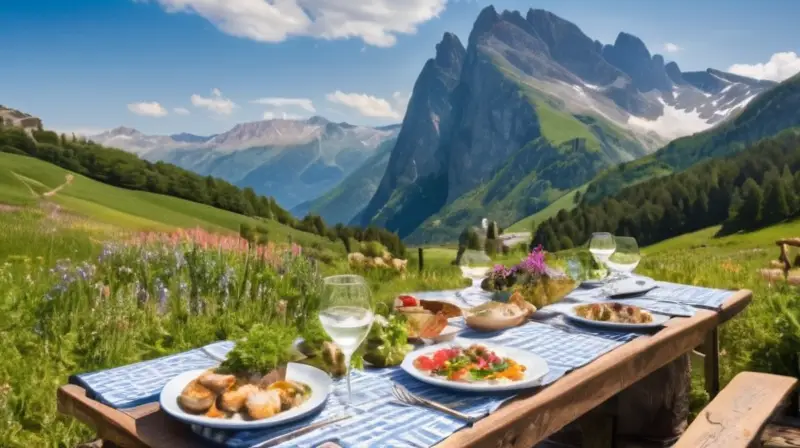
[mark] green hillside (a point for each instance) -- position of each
(753, 189)
(767, 115)
(566, 202)
(23, 181)
(344, 202)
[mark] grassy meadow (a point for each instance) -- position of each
(25, 180)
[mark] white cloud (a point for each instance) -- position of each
(181, 111)
(368, 105)
(303, 103)
(151, 109)
(401, 102)
(269, 115)
(376, 22)
(669, 47)
(215, 103)
(779, 67)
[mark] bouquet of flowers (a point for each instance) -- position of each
(538, 282)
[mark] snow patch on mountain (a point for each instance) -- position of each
(673, 122)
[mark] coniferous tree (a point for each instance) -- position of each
(775, 207)
(749, 214)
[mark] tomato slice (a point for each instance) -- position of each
(424, 363)
(441, 356)
(408, 300)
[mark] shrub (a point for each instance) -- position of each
(469, 239)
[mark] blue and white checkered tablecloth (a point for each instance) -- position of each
(382, 422)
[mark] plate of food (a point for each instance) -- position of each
(235, 402)
(615, 316)
(471, 366)
(428, 319)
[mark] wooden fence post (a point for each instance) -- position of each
(421, 259)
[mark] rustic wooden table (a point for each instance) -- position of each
(522, 423)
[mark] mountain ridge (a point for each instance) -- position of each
(520, 123)
(292, 160)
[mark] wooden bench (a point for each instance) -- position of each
(737, 416)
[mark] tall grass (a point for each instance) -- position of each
(76, 296)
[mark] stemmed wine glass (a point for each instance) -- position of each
(625, 258)
(346, 315)
(601, 246)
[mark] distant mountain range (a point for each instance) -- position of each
(292, 160)
(528, 110)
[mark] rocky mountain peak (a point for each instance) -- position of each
(318, 120)
(484, 23)
(674, 73)
(631, 46)
(631, 55)
(570, 47)
(450, 52)
(124, 130)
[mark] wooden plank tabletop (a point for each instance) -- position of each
(524, 422)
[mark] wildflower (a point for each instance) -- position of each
(226, 279)
(141, 294)
(296, 250)
(534, 263)
(163, 295)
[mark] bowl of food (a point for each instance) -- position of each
(494, 316)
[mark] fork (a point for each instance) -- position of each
(404, 396)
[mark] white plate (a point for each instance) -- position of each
(631, 285)
(658, 321)
(535, 367)
(318, 380)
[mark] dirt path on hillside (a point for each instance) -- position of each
(67, 181)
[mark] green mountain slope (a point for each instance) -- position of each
(565, 202)
(23, 181)
(755, 188)
(343, 203)
(567, 151)
(767, 115)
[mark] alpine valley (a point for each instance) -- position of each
(291, 160)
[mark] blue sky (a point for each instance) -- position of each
(201, 66)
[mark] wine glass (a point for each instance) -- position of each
(346, 315)
(602, 246)
(625, 258)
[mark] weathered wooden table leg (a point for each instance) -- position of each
(654, 411)
(711, 363)
(593, 430)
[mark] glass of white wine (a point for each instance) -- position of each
(602, 246)
(626, 257)
(346, 315)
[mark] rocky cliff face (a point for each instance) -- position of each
(530, 109)
(416, 159)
